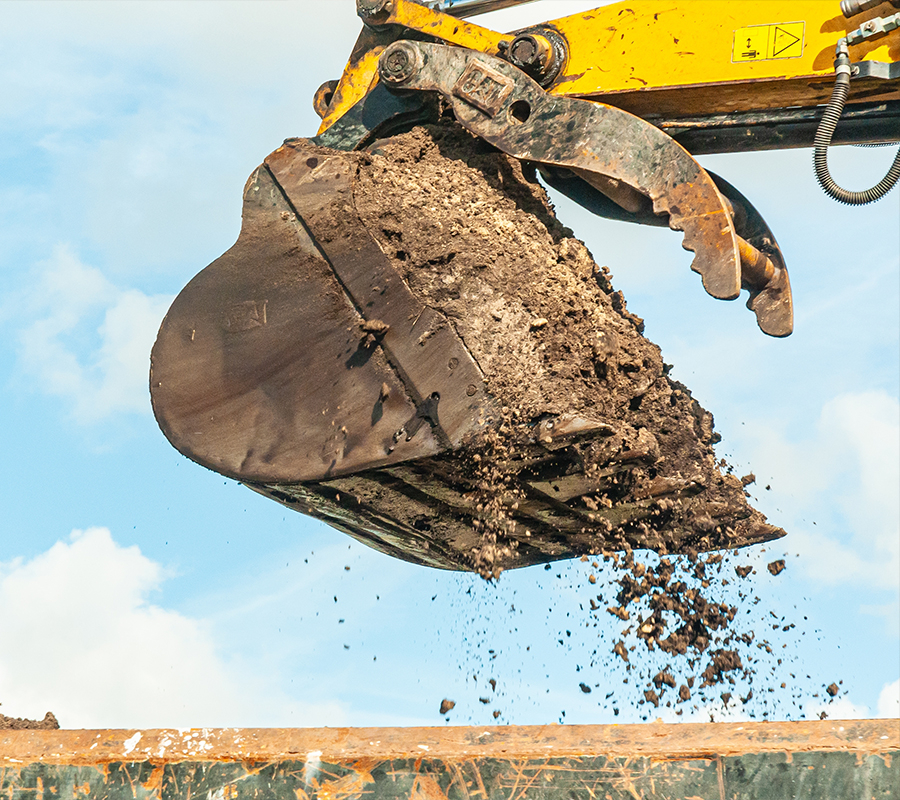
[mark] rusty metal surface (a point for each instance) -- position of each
(257, 369)
(827, 759)
(276, 364)
(770, 288)
(437, 370)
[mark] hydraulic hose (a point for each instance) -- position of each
(824, 133)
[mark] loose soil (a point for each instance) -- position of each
(475, 237)
(48, 723)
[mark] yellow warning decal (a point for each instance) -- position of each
(767, 42)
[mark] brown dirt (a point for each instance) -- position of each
(48, 723)
(475, 237)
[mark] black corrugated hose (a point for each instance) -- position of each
(823, 138)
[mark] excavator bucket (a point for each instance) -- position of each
(517, 417)
(307, 364)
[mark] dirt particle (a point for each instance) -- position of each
(376, 327)
(776, 567)
(447, 706)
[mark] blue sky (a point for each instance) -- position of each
(139, 590)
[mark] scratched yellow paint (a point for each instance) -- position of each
(357, 80)
(656, 44)
(354, 84)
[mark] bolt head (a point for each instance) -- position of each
(525, 51)
(399, 63)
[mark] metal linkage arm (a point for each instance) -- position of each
(503, 106)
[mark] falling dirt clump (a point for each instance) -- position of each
(585, 446)
(776, 567)
(447, 706)
(48, 723)
(723, 661)
(588, 446)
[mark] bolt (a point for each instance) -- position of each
(531, 52)
(524, 50)
(396, 63)
(471, 389)
(399, 63)
(540, 55)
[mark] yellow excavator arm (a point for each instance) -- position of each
(305, 363)
(665, 61)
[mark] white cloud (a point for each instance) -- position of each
(849, 467)
(78, 637)
(841, 708)
(844, 708)
(89, 341)
(889, 700)
(713, 711)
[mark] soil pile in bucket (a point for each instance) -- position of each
(594, 448)
(48, 723)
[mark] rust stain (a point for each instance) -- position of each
(426, 788)
(349, 787)
(153, 784)
(687, 741)
(364, 766)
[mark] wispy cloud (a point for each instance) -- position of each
(888, 706)
(87, 340)
(889, 700)
(80, 638)
(844, 476)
